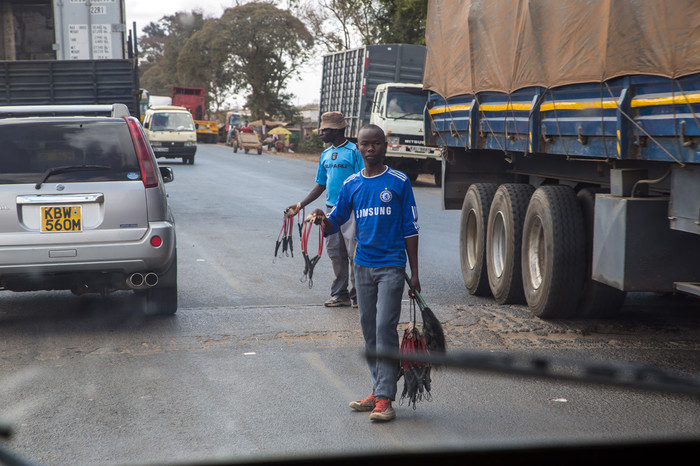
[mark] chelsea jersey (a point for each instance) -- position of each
(385, 215)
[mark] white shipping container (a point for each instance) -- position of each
(90, 29)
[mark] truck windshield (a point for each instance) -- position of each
(172, 122)
(236, 120)
(406, 103)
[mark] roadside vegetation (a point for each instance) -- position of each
(257, 47)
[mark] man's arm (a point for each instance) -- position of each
(316, 191)
(412, 253)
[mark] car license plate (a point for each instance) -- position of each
(61, 218)
(161, 149)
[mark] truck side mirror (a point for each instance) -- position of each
(146, 124)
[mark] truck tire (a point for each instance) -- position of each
(598, 300)
(161, 300)
(472, 237)
(553, 252)
(259, 150)
(438, 177)
(503, 242)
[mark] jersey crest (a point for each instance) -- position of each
(385, 195)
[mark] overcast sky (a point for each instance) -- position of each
(307, 89)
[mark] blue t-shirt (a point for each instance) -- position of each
(335, 166)
(385, 215)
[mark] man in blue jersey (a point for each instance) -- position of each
(382, 203)
(336, 164)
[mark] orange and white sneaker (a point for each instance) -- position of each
(382, 411)
(364, 405)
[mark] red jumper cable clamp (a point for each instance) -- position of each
(310, 262)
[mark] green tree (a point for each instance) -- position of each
(264, 47)
(338, 23)
(160, 48)
(403, 21)
(202, 62)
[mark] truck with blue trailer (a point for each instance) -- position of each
(570, 132)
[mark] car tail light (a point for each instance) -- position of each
(149, 171)
(156, 241)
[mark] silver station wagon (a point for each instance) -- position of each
(83, 205)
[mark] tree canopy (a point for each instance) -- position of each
(258, 48)
(344, 24)
(160, 48)
(255, 48)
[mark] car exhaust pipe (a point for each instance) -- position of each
(140, 281)
(151, 279)
(135, 281)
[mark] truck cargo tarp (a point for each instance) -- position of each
(505, 45)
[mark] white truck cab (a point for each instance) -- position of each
(397, 108)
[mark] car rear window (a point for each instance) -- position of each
(30, 147)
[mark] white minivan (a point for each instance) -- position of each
(171, 132)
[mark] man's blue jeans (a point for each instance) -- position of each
(379, 293)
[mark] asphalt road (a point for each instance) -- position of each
(253, 366)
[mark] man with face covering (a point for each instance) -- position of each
(340, 160)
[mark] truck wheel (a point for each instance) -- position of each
(597, 299)
(472, 237)
(503, 242)
(553, 252)
(438, 178)
(259, 150)
(161, 300)
(412, 176)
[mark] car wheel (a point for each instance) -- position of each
(161, 300)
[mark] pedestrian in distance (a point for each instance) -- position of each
(339, 161)
(245, 128)
(386, 227)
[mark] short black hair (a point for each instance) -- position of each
(372, 127)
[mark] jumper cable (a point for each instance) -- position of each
(284, 238)
(310, 262)
(301, 213)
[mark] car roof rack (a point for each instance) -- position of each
(113, 110)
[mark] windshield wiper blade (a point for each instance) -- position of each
(68, 168)
(623, 374)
